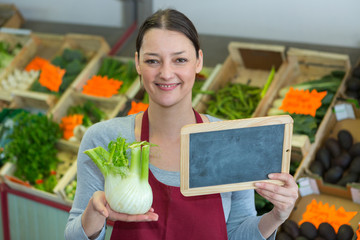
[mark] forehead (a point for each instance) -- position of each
(165, 40)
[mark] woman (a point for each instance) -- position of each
(168, 56)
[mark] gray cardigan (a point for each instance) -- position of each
(239, 207)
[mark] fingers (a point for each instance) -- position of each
(99, 203)
(147, 217)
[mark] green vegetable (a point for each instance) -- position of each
(127, 189)
(31, 146)
(234, 101)
(92, 114)
(115, 69)
(268, 82)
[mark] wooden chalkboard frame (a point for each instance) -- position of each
(249, 123)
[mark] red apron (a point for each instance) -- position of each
(197, 217)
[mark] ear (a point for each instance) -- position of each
(137, 63)
(199, 60)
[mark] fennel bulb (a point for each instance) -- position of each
(127, 189)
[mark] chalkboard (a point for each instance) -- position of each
(232, 155)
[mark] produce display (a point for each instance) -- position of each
(130, 182)
(338, 160)
(19, 79)
(70, 64)
(7, 53)
(79, 118)
(31, 148)
(307, 124)
(234, 101)
(121, 71)
(290, 230)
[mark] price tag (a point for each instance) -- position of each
(355, 195)
(344, 111)
(307, 186)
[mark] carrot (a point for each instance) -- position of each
(68, 124)
(51, 77)
(36, 64)
(137, 107)
(102, 86)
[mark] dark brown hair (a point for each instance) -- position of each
(169, 19)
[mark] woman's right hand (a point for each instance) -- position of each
(98, 210)
(101, 205)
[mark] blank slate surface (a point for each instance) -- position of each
(232, 155)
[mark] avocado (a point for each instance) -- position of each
(348, 178)
(333, 175)
(355, 150)
(333, 146)
(323, 155)
(353, 84)
(326, 231)
(355, 165)
(291, 228)
(345, 139)
(283, 236)
(317, 168)
(308, 230)
(345, 232)
(343, 160)
(352, 94)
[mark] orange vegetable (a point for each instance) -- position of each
(68, 124)
(36, 64)
(102, 86)
(316, 213)
(51, 77)
(137, 107)
(302, 101)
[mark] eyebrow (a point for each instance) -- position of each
(155, 54)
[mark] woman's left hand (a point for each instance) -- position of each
(282, 197)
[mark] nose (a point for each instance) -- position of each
(166, 71)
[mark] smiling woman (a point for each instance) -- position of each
(168, 57)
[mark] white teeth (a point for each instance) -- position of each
(167, 86)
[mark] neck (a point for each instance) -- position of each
(167, 122)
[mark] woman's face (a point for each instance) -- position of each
(167, 63)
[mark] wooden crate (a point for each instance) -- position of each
(68, 177)
(249, 63)
(111, 107)
(331, 129)
(94, 47)
(42, 45)
(305, 65)
(67, 157)
(10, 16)
(130, 93)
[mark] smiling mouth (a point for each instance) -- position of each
(167, 85)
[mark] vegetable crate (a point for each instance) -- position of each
(67, 156)
(103, 66)
(42, 45)
(91, 46)
(304, 66)
(10, 16)
(110, 106)
(64, 183)
(322, 151)
(15, 49)
(251, 65)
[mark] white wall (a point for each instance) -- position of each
(89, 12)
(324, 22)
